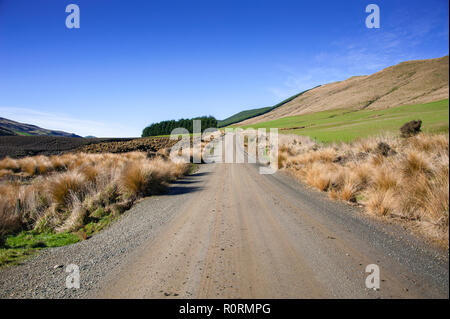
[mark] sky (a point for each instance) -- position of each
(132, 62)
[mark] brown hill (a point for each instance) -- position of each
(410, 82)
(17, 128)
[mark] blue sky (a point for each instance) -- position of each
(133, 62)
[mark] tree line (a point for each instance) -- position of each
(166, 127)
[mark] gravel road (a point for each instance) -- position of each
(229, 232)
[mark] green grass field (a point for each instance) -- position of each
(348, 125)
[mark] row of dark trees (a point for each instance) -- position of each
(166, 127)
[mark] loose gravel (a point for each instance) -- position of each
(44, 275)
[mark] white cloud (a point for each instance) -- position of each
(364, 53)
(300, 80)
(66, 123)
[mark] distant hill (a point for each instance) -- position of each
(6, 132)
(407, 83)
(247, 114)
(9, 127)
(243, 115)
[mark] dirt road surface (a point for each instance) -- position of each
(246, 235)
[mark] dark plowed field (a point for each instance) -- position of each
(146, 144)
(20, 146)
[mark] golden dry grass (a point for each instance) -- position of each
(59, 193)
(411, 183)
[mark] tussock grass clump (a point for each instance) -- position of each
(77, 192)
(135, 179)
(405, 179)
(315, 177)
(61, 186)
(141, 179)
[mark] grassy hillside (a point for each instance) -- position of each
(244, 115)
(247, 114)
(348, 125)
(407, 83)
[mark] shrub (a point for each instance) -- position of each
(410, 128)
(384, 149)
